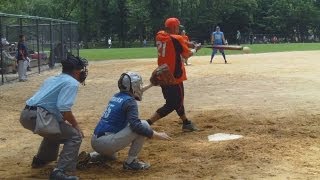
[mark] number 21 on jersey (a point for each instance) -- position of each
(161, 48)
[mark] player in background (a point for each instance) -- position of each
(217, 38)
(238, 37)
(120, 127)
(22, 58)
(187, 40)
(171, 47)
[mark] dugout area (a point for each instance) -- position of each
(48, 41)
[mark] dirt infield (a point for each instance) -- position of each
(271, 99)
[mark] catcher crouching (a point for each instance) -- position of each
(120, 127)
(171, 47)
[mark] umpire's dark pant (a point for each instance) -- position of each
(174, 96)
(49, 148)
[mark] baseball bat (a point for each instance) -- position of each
(144, 88)
(226, 47)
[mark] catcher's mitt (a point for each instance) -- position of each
(162, 76)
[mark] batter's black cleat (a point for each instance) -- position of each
(38, 163)
(188, 126)
(225, 62)
(136, 165)
(60, 175)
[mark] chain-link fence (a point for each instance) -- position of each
(48, 41)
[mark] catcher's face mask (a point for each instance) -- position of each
(83, 75)
(131, 82)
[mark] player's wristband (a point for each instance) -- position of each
(193, 51)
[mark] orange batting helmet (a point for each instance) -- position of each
(172, 23)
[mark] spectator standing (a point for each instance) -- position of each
(22, 58)
(238, 37)
(109, 42)
(144, 43)
(251, 38)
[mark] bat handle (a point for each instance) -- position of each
(147, 87)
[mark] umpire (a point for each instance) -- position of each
(53, 102)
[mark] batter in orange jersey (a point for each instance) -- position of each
(171, 48)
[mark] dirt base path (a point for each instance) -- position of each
(271, 99)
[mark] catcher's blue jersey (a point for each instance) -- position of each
(114, 116)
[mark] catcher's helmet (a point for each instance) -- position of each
(131, 82)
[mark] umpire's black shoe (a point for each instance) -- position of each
(60, 175)
(38, 163)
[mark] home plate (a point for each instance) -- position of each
(223, 137)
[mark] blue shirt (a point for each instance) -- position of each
(57, 94)
(218, 37)
(121, 111)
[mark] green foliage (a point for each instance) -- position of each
(128, 21)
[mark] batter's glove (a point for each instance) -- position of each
(162, 76)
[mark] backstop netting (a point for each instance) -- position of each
(48, 42)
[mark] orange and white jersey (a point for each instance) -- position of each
(170, 49)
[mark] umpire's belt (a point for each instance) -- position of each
(31, 107)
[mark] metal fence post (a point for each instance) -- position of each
(51, 59)
(77, 41)
(38, 42)
(62, 43)
(2, 78)
(70, 37)
(20, 23)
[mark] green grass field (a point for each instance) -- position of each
(150, 52)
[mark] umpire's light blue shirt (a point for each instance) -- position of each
(57, 94)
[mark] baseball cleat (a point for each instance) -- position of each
(188, 127)
(136, 165)
(60, 175)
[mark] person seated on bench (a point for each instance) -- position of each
(8, 60)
